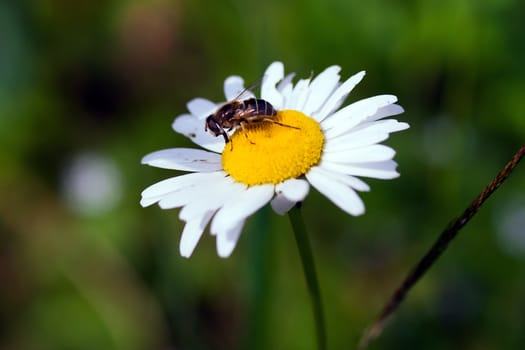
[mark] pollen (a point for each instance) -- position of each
(270, 153)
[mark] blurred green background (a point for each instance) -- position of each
(89, 87)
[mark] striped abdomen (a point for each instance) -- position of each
(256, 106)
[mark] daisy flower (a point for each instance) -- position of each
(327, 147)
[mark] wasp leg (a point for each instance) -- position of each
(225, 135)
(227, 139)
(281, 124)
(243, 124)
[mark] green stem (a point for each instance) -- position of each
(305, 251)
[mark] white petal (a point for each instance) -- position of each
(180, 198)
(192, 233)
(177, 199)
(146, 202)
(175, 183)
(387, 111)
(339, 193)
(193, 128)
(240, 207)
(286, 83)
(380, 170)
(227, 241)
(299, 95)
(351, 115)
(352, 181)
(281, 205)
(178, 191)
(233, 87)
(350, 141)
(186, 159)
(368, 124)
(337, 98)
(293, 189)
(274, 73)
(201, 107)
(320, 88)
(367, 154)
(370, 134)
(286, 88)
(211, 197)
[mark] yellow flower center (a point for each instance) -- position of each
(267, 152)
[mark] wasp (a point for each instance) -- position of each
(241, 113)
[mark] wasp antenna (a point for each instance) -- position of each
(248, 89)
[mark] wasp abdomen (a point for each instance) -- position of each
(257, 106)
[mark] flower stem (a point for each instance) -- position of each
(305, 251)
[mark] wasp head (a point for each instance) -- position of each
(215, 128)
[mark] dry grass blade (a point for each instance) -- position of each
(433, 254)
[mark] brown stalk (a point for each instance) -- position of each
(435, 251)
